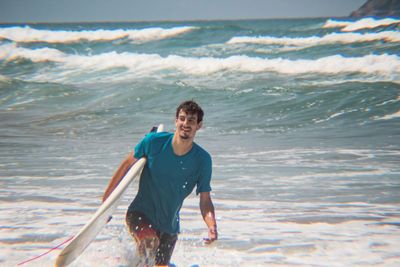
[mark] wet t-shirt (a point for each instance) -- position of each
(167, 179)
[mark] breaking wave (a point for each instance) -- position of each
(385, 64)
(365, 23)
(28, 35)
(333, 38)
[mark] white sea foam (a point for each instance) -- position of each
(10, 52)
(385, 65)
(331, 23)
(395, 115)
(252, 233)
(365, 23)
(27, 34)
(332, 38)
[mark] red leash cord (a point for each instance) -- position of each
(47, 252)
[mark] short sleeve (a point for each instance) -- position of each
(142, 148)
(203, 183)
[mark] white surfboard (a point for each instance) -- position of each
(88, 233)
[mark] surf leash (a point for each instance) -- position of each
(47, 252)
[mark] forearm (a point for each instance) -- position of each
(208, 213)
(118, 175)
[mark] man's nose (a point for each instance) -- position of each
(187, 121)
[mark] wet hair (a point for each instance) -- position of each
(191, 107)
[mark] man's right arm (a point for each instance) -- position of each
(126, 164)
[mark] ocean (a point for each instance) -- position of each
(302, 119)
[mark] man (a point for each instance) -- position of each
(175, 165)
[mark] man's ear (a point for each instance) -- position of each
(199, 125)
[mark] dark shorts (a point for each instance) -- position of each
(145, 235)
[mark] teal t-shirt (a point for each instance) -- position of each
(167, 179)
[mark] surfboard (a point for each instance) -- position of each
(102, 216)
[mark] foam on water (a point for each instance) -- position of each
(28, 35)
(385, 66)
(332, 38)
(286, 216)
(365, 23)
(389, 116)
(252, 233)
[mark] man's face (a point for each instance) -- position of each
(186, 125)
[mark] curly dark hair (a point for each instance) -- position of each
(191, 107)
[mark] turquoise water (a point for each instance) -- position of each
(302, 119)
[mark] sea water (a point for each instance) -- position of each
(302, 119)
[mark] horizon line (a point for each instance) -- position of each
(168, 20)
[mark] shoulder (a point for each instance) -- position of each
(154, 141)
(157, 137)
(202, 153)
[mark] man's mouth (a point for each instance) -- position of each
(186, 129)
(185, 132)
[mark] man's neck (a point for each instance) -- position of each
(181, 146)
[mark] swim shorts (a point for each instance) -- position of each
(146, 236)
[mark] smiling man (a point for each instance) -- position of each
(175, 166)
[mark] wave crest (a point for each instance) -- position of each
(341, 38)
(29, 35)
(384, 65)
(365, 23)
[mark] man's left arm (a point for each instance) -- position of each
(208, 213)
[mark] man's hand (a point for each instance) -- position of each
(212, 235)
